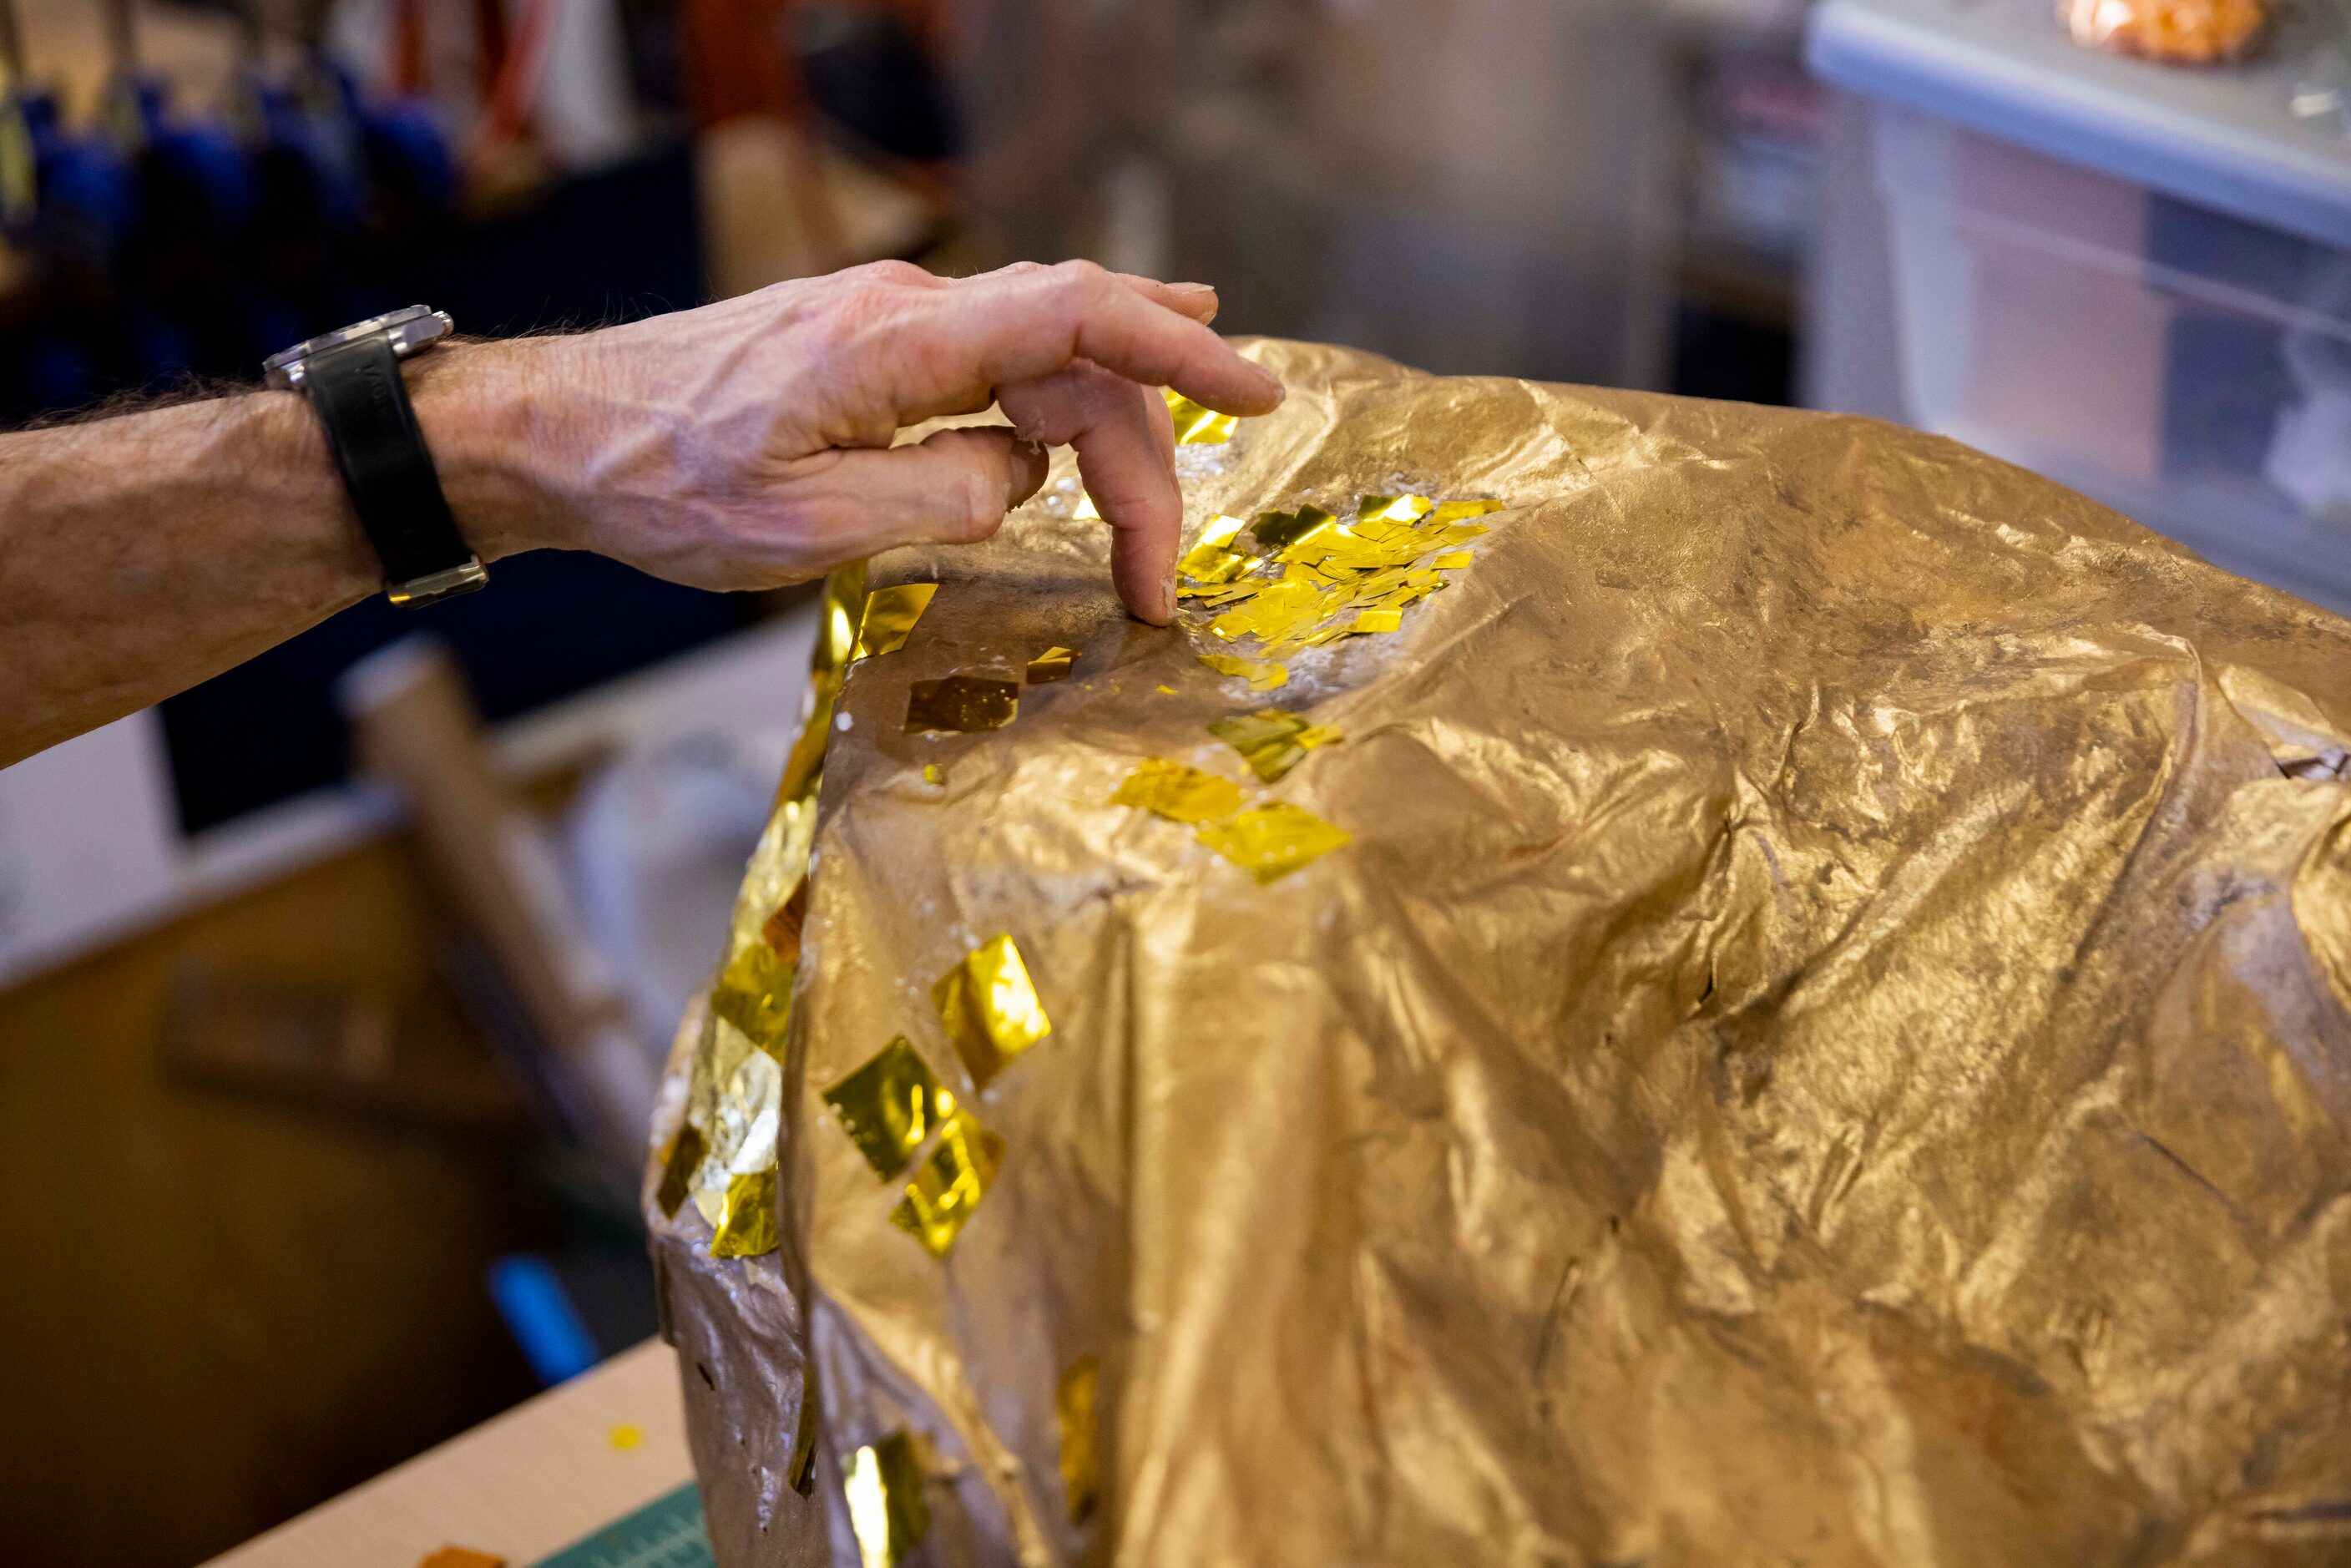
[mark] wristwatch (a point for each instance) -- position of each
(353, 379)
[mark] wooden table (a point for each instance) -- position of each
(519, 1487)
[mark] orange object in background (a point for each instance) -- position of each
(461, 1557)
(2188, 32)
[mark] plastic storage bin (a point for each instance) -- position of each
(2132, 278)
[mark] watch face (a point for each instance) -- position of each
(409, 328)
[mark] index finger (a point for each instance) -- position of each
(1017, 327)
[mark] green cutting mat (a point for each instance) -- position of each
(666, 1533)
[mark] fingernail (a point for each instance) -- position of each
(1193, 288)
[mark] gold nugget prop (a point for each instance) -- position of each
(1773, 990)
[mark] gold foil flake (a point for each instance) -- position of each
(1075, 1398)
(1370, 621)
(1280, 530)
(747, 1229)
(961, 704)
(1053, 664)
(678, 1166)
(1405, 509)
(934, 774)
(1178, 793)
(889, 618)
(1196, 425)
(754, 995)
(1262, 675)
(887, 1510)
(1452, 562)
(989, 1008)
(1459, 511)
(781, 930)
(1270, 841)
(1271, 741)
(948, 1186)
(1085, 511)
(1212, 558)
(889, 1106)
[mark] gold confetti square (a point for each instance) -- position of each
(890, 1105)
(961, 704)
(1262, 675)
(754, 995)
(1270, 841)
(684, 1158)
(948, 1186)
(1178, 793)
(746, 1227)
(1271, 741)
(1196, 425)
(889, 618)
(1074, 1400)
(1053, 664)
(990, 1009)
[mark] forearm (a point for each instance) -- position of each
(142, 554)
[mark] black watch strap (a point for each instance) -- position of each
(371, 429)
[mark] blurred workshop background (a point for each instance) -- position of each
(316, 980)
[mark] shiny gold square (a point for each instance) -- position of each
(1178, 793)
(746, 1227)
(889, 618)
(990, 1009)
(948, 1186)
(1271, 741)
(1196, 425)
(889, 1106)
(962, 705)
(754, 995)
(1270, 841)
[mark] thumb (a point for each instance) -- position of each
(954, 487)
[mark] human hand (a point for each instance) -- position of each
(747, 443)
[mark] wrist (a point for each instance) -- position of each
(496, 446)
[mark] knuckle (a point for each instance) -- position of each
(893, 273)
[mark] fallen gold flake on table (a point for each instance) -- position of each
(1272, 840)
(1263, 675)
(948, 1186)
(625, 1437)
(889, 1106)
(1052, 664)
(685, 1157)
(961, 704)
(1196, 425)
(934, 774)
(889, 618)
(888, 1513)
(746, 1227)
(1074, 1400)
(990, 1008)
(1272, 741)
(1178, 793)
(754, 995)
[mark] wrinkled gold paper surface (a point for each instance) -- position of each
(1827, 1042)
